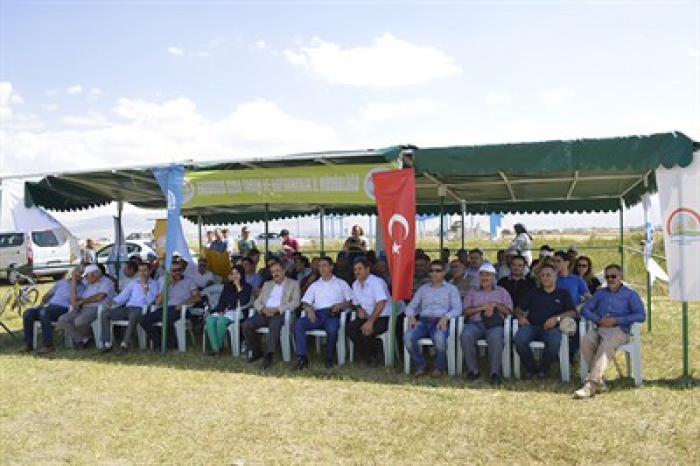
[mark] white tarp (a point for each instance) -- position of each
(654, 269)
(679, 194)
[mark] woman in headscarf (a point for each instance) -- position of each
(522, 242)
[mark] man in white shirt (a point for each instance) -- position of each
(202, 276)
(277, 296)
(140, 292)
(370, 298)
(323, 302)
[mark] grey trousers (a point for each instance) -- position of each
(132, 314)
(471, 334)
(77, 324)
(259, 320)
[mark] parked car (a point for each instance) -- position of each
(274, 242)
(132, 247)
(40, 253)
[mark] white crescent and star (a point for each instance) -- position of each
(398, 218)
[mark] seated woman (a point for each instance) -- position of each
(236, 293)
(584, 268)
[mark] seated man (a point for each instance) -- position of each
(434, 303)
(518, 283)
(485, 309)
(613, 310)
(251, 276)
(129, 271)
(323, 302)
(181, 291)
(201, 275)
(98, 290)
(546, 307)
(370, 297)
(54, 304)
(459, 278)
(278, 295)
(140, 292)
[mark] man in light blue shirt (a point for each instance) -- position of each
(138, 293)
(54, 304)
(434, 303)
(574, 284)
(613, 309)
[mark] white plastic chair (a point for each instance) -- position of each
(483, 345)
(321, 334)
(451, 347)
(234, 329)
(538, 347)
(37, 328)
(384, 337)
(632, 350)
(285, 334)
(182, 325)
(140, 333)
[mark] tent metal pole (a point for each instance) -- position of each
(267, 228)
(118, 239)
(622, 234)
(322, 221)
(464, 218)
(442, 223)
(646, 224)
(199, 231)
(686, 362)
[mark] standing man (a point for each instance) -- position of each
(209, 239)
(227, 240)
(89, 254)
(218, 245)
(54, 304)
(370, 297)
(277, 296)
(245, 242)
(98, 291)
(613, 310)
(181, 291)
(485, 310)
(289, 244)
(323, 302)
(434, 303)
(140, 292)
(545, 307)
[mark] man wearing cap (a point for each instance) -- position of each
(140, 292)
(181, 291)
(428, 314)
(545, 308)
(289, 244)
(370, 298)
(54, 304)
(485, 310)
(245, 242)
(98, 291)
(613, 309)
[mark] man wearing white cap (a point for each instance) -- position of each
(485, 310)
(98, 290)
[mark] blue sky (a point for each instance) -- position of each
(99, 84)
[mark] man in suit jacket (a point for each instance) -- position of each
(278, 295)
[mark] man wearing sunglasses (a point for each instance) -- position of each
(181, 291)
(613, 309)
(428, 314)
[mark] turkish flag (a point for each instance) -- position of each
(395, 193)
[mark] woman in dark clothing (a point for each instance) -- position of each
(584, 268)
(236, 293)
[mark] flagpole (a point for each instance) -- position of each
(686, 361)
(392, 333)
(164, 333)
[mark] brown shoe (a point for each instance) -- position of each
(26, 349)
(436, 374)
(46, 350)
(422, 372)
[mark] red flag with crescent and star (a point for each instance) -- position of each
(395, 193)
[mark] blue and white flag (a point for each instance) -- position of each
(170, 180)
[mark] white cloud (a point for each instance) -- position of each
(695, 53)
(259, 45)
(51, 107)
(389, 62)
(176, 51)
(75, 90)
(8, 97)
(558, 96)
(496, 98)
(381, 111)
(95, 93)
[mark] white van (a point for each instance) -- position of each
(41, 253)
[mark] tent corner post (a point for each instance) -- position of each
(164, 318)
(321, 215)
(649, 302)
(464, 218)
(686, 361)
(622, 234)
(267, 228)
(199, 231)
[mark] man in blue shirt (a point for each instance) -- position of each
(613, 310)
(54, 304)
(545, 307)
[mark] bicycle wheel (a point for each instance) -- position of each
(6, 302)
(29, 299)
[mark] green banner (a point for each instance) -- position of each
(328, 184)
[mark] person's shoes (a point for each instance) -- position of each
(436, 373)
(587, 391)
(105, 349)
(26, 349)
(496, 380)
(328, 363)
(122, 348)
(473, 377)
(46, 349)
(302, 363)
(421, 372)
(267, 362)
(253, 357)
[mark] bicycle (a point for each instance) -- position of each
(20, 297)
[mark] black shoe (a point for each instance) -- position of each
(328, 363)
(473, 376)
(302, 363)
(496, 380)
(105, 349)
(267, 362)
(254, 357)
